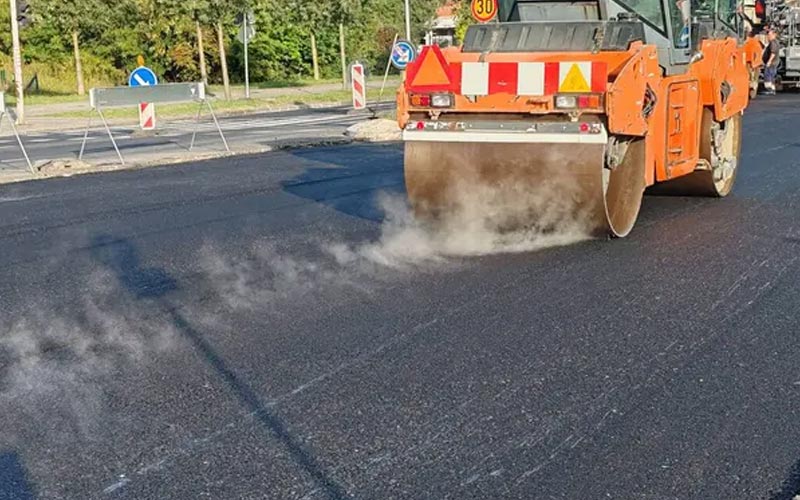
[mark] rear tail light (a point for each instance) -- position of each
(420, 100)
(432, 100)
(583, 101)
(566, 101)
(441, 100)
(589, 101)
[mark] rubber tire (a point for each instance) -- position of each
(701, 182)
(706, 147)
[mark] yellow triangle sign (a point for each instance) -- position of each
(574, 81)
(430, 72)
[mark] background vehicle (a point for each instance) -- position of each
(785, 16)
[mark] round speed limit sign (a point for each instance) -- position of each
(484, 10)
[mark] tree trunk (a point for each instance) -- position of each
(344, 57)
(223, 61)
(202, 54)
(314, 59)
(78, 66)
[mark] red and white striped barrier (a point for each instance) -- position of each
(147, 116)
(359, 87)
(532, 78)
(432, 73)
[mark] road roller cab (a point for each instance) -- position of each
(584, 104)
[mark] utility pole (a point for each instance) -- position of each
(246, 28)
(201, 53)
(344, 57)
(408, 21)
(17, 62)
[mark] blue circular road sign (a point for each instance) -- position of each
(403, 53)
(142, 76)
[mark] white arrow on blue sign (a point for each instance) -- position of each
(403, 53)
(142, 76)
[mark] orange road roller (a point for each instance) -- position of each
(570, 110)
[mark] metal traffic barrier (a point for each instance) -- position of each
(110, 97)
(3, 113)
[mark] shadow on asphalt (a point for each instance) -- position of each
(13, 481)
(350, 179)
(121, 257)
(791, 486)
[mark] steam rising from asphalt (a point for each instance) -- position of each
(62, 357)
(484, 221)
(53, 362)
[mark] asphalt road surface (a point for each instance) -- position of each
(256, 130)
(259, 328)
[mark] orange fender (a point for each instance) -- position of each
(753, 51)
(625, 97)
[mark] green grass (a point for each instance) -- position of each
(300, 82)
(45, 98)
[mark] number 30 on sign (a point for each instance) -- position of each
(484, 10)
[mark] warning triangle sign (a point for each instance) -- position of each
(430, 71)
(574, 81)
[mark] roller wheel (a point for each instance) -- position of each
(625, 189)
(540, 186)
(753, 83)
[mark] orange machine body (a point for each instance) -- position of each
(626, 89)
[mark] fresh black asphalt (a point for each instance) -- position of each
(228, 330)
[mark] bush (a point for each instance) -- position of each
(58, 77)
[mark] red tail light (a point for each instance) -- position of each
(420, 100)
(589, 101)
(581, 101)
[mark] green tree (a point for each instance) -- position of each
(201, 13)
(294, 39)
(72, 17)
(222, 12)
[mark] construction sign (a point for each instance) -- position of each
(147, 116)
(403, 53)
(483, 11)
(359, 86)
(575, 77)
(430, 72)
(144, 77)
(582, 77)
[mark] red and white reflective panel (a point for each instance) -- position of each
(359, 87)
(147, 116)
(532, 78)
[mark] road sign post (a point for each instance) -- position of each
(246, 21)
(408, 18)
(144, 77)
(388, 67)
